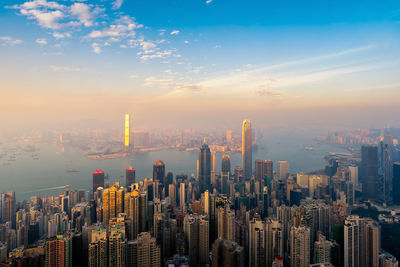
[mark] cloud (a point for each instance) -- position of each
(162, 32)
(58, 35)
(268, 93)
(46, 19)
(41, 41)
(175, 32)
(96, 48)
(158, 54)
(64, 69)
(125, 29)
(208, 1)
(186, 41)
(170, 83)
(117, 4)
(7, 40)
(83, 13)
(147, 47)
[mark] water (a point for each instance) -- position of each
(47, 175)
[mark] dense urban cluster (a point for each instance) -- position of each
(241, 216)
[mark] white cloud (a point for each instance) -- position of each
(7, 40)
(117, 4)
(208, 1)
(162, 32)
(175, 32)
(147, 47)
(186, 41)
(41, 41)
(83, 13)
(59, 35)
(46, 19)
(96, 48)
(123, 30)
(64, 69)
(158, 54)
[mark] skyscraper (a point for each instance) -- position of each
(283, 169)
(300, 239)
(204, 167)
(143, 252)
(113, 203)
(247, 146)
(159, 171)
(396, 183)
(98, 179)
(226, 164)
(127, 140)
(204, 230)
(130, 177)
(369, 172)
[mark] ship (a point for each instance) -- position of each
(72, 170)
(308, 148)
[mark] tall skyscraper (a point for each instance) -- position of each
(159, 171)
(130, 177)
(8, 208)
(132, 209)
(204, 230)
(182, 197)
(247, 148)
(283, 169)
(396, 183)
(371, 185)
(226, 164)
(143, 252)
(257, 250)
(204, 167)
(127, 140)
(98, 179)
(113, 203)
(300, 238)
(191, 230)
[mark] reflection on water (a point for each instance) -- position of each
(57, 166)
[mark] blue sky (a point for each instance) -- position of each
(175, 57)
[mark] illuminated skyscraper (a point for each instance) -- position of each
(247, 149)
(113, 203)
(127, 141)
(98, 179)
(204, 167)
(132, 209)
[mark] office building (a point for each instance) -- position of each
(204, 167)
(98, 179)
(283, 170)
(371, 186)
(247, 148)
(130, 177)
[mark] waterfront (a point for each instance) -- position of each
(48, 175)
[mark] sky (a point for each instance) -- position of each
(200, 63)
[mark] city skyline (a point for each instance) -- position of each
(296, 61)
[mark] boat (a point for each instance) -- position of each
(72, 170)
(308, 148)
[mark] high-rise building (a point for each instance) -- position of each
(159, 171)
(353, 173)
(98, 179)
(132, 210)
(322, 249)
(59, 252)
(127, 140)
(227, 253)
(143, 252)
(274, 241)
(113, 203)
(396, 183)
(283, 170)
(191, 230)
(226, 164)
(259, 170)
(130, 177)
(204, 167)
(371, 185)
(247, 148)
(182, 197)
(226, 223)
(257, 250)
(8, 208)
(204, 230)
(300, 238)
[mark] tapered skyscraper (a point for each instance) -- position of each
(204, 167)
(127, 130)
(247, 149)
